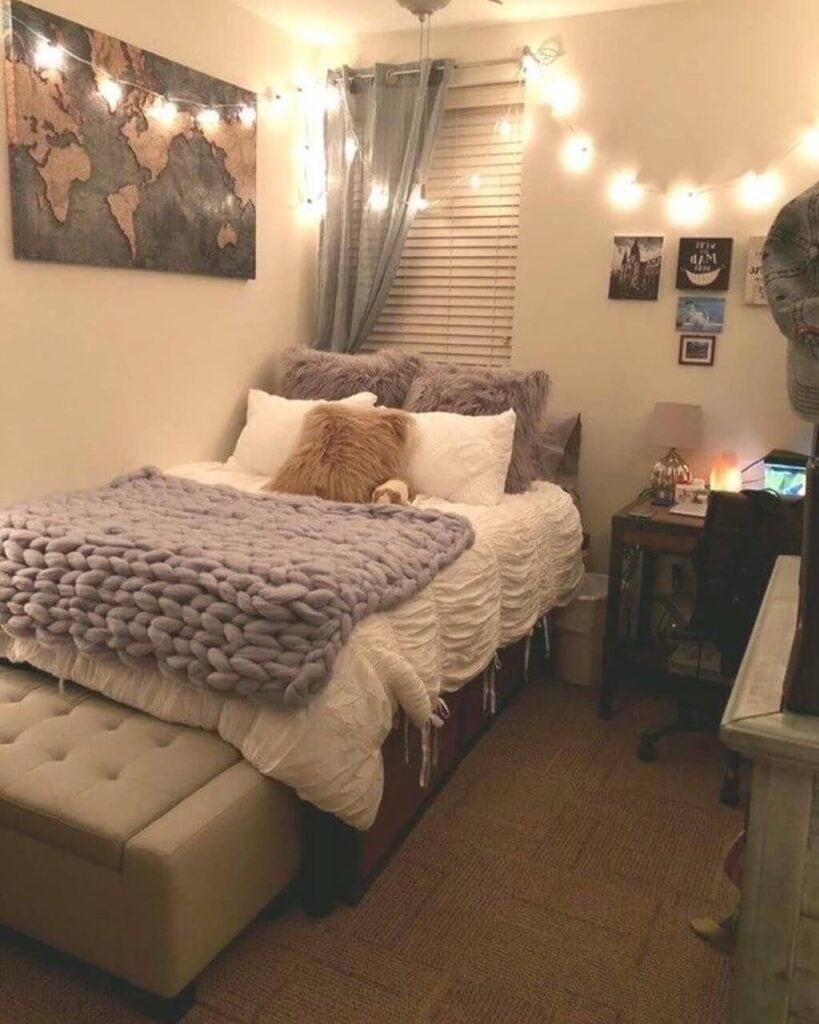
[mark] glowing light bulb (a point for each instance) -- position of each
(275, 100)
(247, 115)
(530, 66)
(577, 153)
(313, 208)
(350, 149)
(379, 198)
(504, 127)
(625, 191)
(207, 118)
(419, 201)
(111, 92)
(687, 206)
(562, 93)
(475, 181)
(163, 111)
(759, 190)
(48, 56)
(810, 143)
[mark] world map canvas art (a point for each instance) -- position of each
(113, 161)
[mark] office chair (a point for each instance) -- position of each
(743, 536)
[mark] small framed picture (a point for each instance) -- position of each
(697, 349)
(704, 264)
(636, 263)
(701, 314)
(754, 285)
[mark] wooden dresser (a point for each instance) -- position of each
(777, 969)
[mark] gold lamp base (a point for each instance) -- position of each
(671, 470)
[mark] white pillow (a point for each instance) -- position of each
(273, 428)
(462, 459)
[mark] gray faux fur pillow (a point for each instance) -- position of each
(558, 448)
(333, 375)
(486, 391)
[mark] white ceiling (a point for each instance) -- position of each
(326, 20)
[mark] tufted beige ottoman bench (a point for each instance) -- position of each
(138, 846)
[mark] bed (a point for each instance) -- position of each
(460, 648)
(409, 691)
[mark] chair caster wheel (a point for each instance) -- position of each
(729, 794)
(646, 749)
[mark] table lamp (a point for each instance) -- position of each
(673, 425)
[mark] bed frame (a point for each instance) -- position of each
(338, 862)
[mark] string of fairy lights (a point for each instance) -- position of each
(50, 55)
(544, 83)
(549, 85)
(685, 203)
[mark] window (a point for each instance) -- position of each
(454, 294)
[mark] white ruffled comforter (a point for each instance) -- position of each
(525, 561)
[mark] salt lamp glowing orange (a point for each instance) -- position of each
(726, 474)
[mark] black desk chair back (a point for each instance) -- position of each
(744, 535)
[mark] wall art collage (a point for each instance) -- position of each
(703, 268)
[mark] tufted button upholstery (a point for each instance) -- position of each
(84, 774)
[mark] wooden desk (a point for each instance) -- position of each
(663, 534)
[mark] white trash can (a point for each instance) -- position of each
(579, 631)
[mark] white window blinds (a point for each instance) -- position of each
(454, 295)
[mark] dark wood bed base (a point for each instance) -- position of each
(338, 862)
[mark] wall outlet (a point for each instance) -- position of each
(674, 576)
(679, 578)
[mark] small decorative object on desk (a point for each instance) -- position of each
(691, 499)
(673, 425)
(695, 493)
(726, 474)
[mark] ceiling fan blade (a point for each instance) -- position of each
(498, 2)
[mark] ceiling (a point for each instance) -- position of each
(326, 20)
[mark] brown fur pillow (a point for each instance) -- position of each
(345, 452)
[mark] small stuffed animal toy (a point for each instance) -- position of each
(393, 492)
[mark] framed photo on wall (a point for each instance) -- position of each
(704, 264)
(700, 314)
(697, 349)
(125, 178)
(636, 263)
(754, 285)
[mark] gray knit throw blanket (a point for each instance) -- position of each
(246, 593)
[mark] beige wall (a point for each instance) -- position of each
(701, 90)
(103, 370)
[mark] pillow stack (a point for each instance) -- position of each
(487, 391)
(467, 434)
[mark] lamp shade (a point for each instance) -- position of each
(675, 425)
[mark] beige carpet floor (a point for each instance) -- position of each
(550, 883)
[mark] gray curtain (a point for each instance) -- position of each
(378, 144)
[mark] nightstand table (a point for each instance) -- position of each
(635, 544)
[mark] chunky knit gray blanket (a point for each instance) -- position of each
(250, 593)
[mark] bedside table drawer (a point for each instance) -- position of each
(663, 543)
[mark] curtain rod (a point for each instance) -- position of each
(368, 75)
